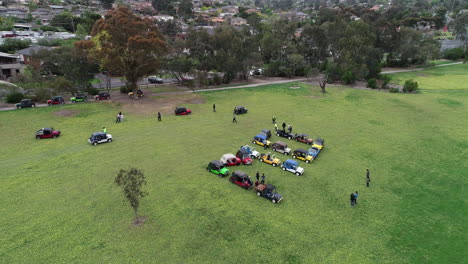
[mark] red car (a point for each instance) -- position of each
(56, 100)
(241, 179)
(102, 96)
(47, 133)
(244, 156)
(182, 111)
(230, 160)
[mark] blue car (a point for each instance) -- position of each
(314, 151)
(261, 140)
(293, 167)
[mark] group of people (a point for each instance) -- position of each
(354, 196)
(258, 182)
(273, 119)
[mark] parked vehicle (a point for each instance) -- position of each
(304, 138)
(270, 159)
(261, 140)
(242, 179)
(293, 167)
(182, 111)
(281, 147)
(218, 168)
(252, 152)
(269, 192)
(244, 156)
(285, 134)
(238, 110)
(139, 94)
(230, 160)
(25, 103)
(266, 132)
(155, 79)
(102, 96)
(79, 98)
(48, 132)
(56, 100)
(319, 143)
(302, 154)
(100, 137)
(313, 151)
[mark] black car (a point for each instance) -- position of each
(268, 191)
(25, 103)
(285, 134)
(240, 110)
(266, 132)
(155, 79)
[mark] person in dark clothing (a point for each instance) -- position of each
(284, 126)
(159, 116)
(351, 198)
(367, 177)
(273, 119)
(256, 183)
(355, 197)
(214, 108)
(234, 120)
(263, 178)
(290, 128)
(257, 176)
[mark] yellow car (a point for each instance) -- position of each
(261, 140)
(302, 154)
(270, 159)
(318, 143)
(139, 93)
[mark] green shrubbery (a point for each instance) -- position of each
(410, 86)
(14, 97)
(372, 83)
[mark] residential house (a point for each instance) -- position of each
(252, 10)
(10, 66)
(230, 9)
(238, 21)
(27, 55)
(217, 21)
(164, 18)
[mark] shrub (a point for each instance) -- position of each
(92, 91)
(14, 97)
(124, 90)
(386, 80)
(410, 86)
(453, 54)
(348, 78)
(42, 95)
(372, 83)
(217, 79)
(394, 90)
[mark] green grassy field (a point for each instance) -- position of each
(453, 77)
(59, 203)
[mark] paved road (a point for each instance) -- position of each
(421, 69)
(117, 82)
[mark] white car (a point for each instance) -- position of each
(100, 137)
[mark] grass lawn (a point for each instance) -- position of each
(452, 77)
(59, 203)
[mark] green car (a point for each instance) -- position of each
(217, 167)
(79, 98)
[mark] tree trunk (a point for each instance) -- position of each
(322, 84)
(135, 210)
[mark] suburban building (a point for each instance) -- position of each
(10, 66)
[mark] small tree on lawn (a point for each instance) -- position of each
(323, 84)
(410, 86)
(131, 182)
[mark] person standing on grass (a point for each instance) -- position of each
(276, 127)
(234, 120)
(104, 129)
(367, 177)
(273, 119)
(159, 116)
(355, 197)
(351, 198)
(214, 108)
(263, 178)
(289, 128)
(257, 176)
(117, 120)
(284, 126)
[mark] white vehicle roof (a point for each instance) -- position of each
(227, 157)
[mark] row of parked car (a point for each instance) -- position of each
(57, 100)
